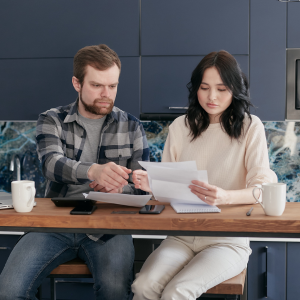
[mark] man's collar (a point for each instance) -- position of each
(73, 114)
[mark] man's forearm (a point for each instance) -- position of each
(61, 169)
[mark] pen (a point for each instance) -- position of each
(249, 212)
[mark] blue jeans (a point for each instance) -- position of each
(37, 254)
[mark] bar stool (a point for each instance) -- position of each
(75, 268)
(230, 289)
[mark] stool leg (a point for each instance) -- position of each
(53, 288)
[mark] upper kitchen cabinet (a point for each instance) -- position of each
(164, 80)
(128, 97)
(40, 29)
(293, 38)
(194, 27)
(267, 58)
(31, 86)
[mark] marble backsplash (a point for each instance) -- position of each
(18, 138)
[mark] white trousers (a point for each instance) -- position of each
(186, 267)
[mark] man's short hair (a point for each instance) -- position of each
(100, 57)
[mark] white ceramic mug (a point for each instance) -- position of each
(23, 192)
(273, 198)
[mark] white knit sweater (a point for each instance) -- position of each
(231, 164)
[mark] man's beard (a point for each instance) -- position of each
(94, 109)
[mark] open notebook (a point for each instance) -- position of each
(194, 208)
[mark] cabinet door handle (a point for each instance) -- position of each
(266, 273)
(173, 107)
(4, 248)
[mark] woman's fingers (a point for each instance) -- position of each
(204, 191)
(204, 185)
(206, 198)
(140, 180)
(210, 194)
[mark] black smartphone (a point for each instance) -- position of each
(152, 209)
(83, 210)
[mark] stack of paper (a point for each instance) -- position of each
(121, 199)
(169, 182)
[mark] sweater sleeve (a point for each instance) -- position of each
(256, 156)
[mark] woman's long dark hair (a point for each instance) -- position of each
(232, 118)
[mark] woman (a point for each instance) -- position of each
(219, 133)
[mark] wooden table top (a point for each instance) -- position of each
(108, 218)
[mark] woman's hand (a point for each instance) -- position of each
(210, 194)
(140, 180)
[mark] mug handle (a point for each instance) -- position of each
(257, 187)
(257, 201)
(31, 198)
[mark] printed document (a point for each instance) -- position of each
(169, 182)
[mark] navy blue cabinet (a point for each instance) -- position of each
(143, 248)
(164, 81)
(31, 86)
(267, 58)
(159, 43)
(267, 271)
(128, 97)
(293, 37)
(7, 243)
(293, 267)
(33, 28)
(194, 27)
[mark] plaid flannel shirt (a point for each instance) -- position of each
(60, 141)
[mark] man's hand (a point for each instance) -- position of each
(110, 176)
(99, 188)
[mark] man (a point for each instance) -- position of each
(87, 145)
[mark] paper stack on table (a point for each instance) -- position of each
(121, 199)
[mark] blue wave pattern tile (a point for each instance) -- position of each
(19, 138)
(156, 133)
(283, 140)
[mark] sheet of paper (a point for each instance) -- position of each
(154, 168)
(121, 199)
(176, 175)
(186, 165)
(174, 192)
(170, 182)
